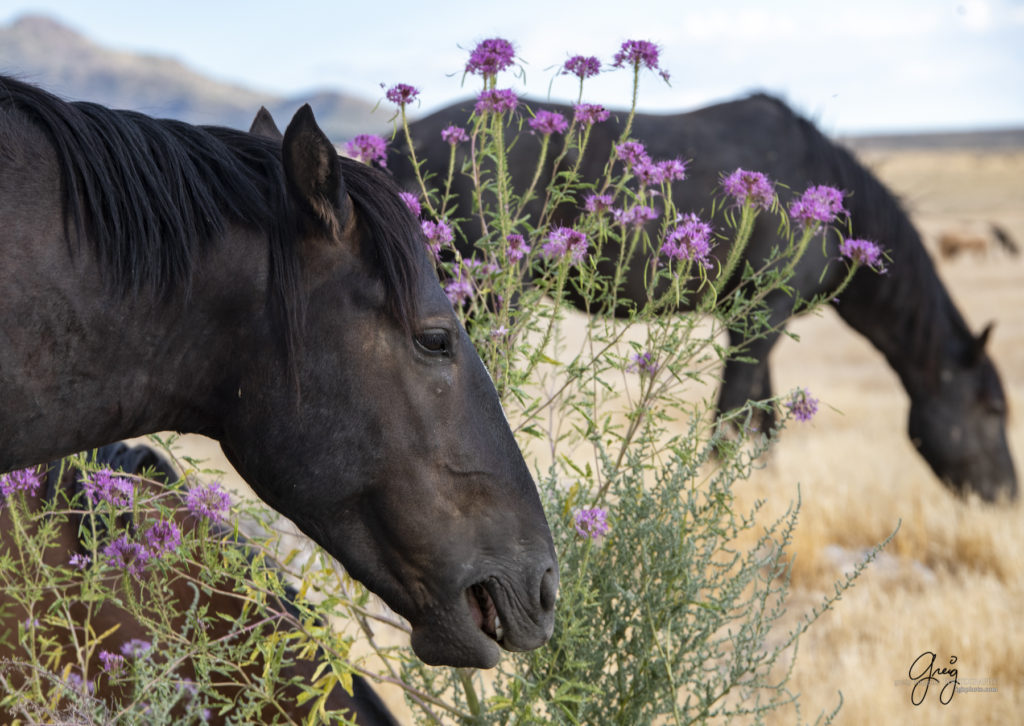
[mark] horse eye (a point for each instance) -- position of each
(435, 341)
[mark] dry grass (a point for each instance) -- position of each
(952, 579)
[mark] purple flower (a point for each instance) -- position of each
(402, 93)
(637, 53)
(690, 240)
(209, 501)
(597, 203)
(497, 100)
(459, 290)
(79, 561)
(582, 66)
(106, 486)
(126, 555)
(454, 134)
(802, 405)
(500, 332)
(635, 216)
(566, 242)
(862, 251)
(22, 480)
(672, 170)
(549, 122)
(162, 537)
(819, 204)
(643, 363)
(368, 148)
(112, 662)
(517, 247)
(591, 113)
(75, 682)
(412, 202)
(749, 187)
(135, 648)
(592, 523)
(438, 234)
(633, 154)
(491, 56)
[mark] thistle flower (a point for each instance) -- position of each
(862, 251)
(581, 66)
(412, 202)
(458, 290)
(549, 122)
(802, 405)
(112, 662)
(454, 134)
(106, 486)
(590, 113)
(490, 57)
(126, 555)
(635, 216)
(672, 170)
(592, 523)
(749, 187)
(135, 648)
(639, 53)
(497, 100)
(818, 204)
(209, 501)
(162, 537)
(438, 234)
(517, 247)
(368, 148)
(21, 480)
(643, 363)
(633, 154)
(402, 94)
(566, 242)
(597, 203)
(690, 240)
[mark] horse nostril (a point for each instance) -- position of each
(548, 589)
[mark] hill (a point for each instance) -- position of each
(43, 51)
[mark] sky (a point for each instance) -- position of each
(867, 66)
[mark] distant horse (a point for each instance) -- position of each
(281, 300)
(958, 408)
(230, 614)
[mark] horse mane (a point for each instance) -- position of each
(918, 306)
(150, 194)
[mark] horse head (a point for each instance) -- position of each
(960, 429)
(383, 438)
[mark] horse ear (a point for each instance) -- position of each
(313, 171)
(263, 125)
(978, 345)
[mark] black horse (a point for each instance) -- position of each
(958, 408)
(233, 615)
(281, 300)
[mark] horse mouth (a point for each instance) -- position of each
(484, 612)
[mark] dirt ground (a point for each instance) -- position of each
(952, 580)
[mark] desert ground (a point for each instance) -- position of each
(952, 579)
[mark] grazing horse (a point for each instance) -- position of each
(231, 612)
(281, 300)
(957, 405)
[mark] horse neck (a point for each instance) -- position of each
(86, 366)
(906, 312)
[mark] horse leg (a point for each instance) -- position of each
(744, 381)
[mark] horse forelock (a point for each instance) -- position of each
(393, 240)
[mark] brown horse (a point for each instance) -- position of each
(230, 613)
(159, 276)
